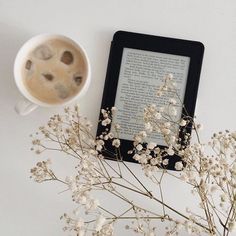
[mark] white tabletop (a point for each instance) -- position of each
(29, 209)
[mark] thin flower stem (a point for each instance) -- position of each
(133, 217)
(162, 199)
(102, 208)
(149, 193)
(226, 230)
(119, 158)
(121, 177)
(162, 203)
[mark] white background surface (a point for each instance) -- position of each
(29, 209)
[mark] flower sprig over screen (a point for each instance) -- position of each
(209, 169)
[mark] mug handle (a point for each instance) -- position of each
(24, 107)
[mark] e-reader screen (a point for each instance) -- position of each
(141, 73)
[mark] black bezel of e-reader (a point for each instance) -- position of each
(123, 39)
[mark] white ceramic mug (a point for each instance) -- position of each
(30, 103)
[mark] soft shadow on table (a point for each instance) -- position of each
(98, 53)
(11, 39)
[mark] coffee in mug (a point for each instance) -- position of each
(51, 70)
(54, 71)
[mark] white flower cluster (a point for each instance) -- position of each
(107, 135)
(105, 229)
(210, 169)
(72, 132)
(41, 172)
(74, 225)
(142, 227)
(79, 226)
(81, 187)
(164, 122)
(106, 117)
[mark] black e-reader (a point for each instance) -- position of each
(136, 67)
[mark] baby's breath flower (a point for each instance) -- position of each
(183, 122)
(100, 222)
(159, 93)
(165, 162)
(148, 127)
(167, 125)
(37, 151)
(151, 145)
(139, 147)
(36, 142)
(157, 150)
(110, 135)
(42, 172)
(157, 115)
(166, 131)
(172, 111)
(113, 109)
(99, 145)
(116, 143)
(142, 134)
(92, 204)
(153, 107)
(88, 124)
(107, 230)
(138, 139)
(106, 122)
(80, 223)
(172, 101)
(136, 157)
(117, 126)
(199, 126)
(169, 77)
(170, 151)
(179, 165)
